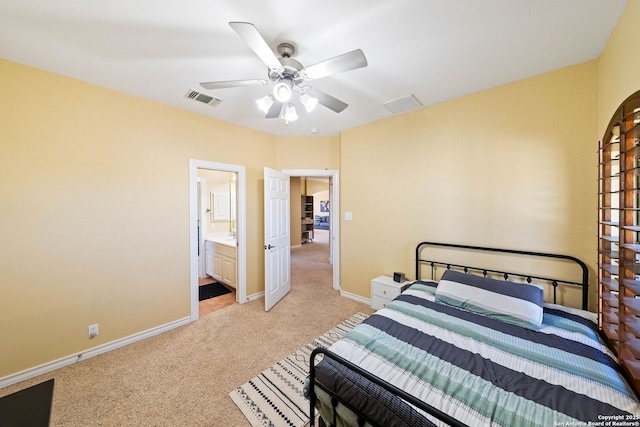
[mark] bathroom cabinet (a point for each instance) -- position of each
(220, 262)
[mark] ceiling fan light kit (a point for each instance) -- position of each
(309, 102)
(288, 76)
(283, 89)
(265, 103)
(290, 113)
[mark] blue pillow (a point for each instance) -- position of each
(515, 303)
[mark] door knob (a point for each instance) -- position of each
(268, 247)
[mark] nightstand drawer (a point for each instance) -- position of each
(385, 291)
(379, 302)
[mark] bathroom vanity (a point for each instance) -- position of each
(220, 258)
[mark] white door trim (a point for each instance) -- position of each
(334, 212)
(201, 216)
(241, 183)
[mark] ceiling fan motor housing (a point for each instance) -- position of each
(286, 50)
(291, 71)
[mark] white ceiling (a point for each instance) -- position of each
(435, 49)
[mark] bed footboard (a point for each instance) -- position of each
(371, 378)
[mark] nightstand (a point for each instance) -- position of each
(383, 290)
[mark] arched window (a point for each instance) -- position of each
(619, 236)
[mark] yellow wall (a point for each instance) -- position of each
(309, 153)
(510, 167)
(95, 211)
(315, 185)
(619, 65)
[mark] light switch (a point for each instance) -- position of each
(348, 216)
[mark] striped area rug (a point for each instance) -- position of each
(275, 398)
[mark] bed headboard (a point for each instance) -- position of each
(555, 282)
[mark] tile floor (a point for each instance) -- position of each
(213, 304)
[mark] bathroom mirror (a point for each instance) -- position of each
(220, 206)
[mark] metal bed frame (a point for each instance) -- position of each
(584, 282)
(555, 282)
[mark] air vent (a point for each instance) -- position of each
(403, 104)
(201, 97)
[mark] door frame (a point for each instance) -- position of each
(241, 227)
(334, 212)
(202, 190)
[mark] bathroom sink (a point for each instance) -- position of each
(222, 238)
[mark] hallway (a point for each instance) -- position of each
(310, 262)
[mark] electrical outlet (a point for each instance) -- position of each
(93, 330)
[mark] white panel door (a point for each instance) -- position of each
(277, 242)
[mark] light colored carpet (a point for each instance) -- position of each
(275, 397)
(183, 377)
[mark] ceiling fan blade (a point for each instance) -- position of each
(274, 110)
(233, 83)
(327, 100)
(256, 43)
(338, 64)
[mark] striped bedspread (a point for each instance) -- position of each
(485, 372)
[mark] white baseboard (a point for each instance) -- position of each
(255, 296)
(356, 297)
(104, 348)
(94, 351)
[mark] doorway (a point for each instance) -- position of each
(202, 199)
(333, 234)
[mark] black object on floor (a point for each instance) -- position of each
(29, 407)
(212, 290)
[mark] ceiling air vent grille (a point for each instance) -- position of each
(201, 97)
(403, 104)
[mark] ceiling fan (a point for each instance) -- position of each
(289, 76)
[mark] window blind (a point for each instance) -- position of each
(619, 237)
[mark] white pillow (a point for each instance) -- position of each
(515, 303)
